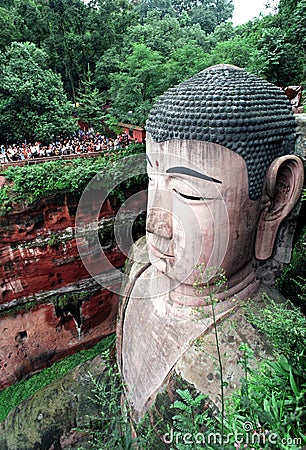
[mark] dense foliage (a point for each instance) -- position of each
(26, 184)
(292, 282)
(33, 104)
(124, 54)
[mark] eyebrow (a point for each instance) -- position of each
(149, 161)
(192, 173)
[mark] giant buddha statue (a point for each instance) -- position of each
(222, 178)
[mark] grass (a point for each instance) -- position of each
(15, 394)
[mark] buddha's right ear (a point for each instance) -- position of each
(282, 189)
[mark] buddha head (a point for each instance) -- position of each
(221, 170)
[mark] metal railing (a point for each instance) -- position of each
(30, 161)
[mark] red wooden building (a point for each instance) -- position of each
(138, 134)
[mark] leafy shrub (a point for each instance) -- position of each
(284, 325)
(30, 183)
(292, 282)
(268, 411)
(111, 429)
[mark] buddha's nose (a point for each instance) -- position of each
(159, 222)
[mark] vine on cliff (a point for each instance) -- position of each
(30, 183)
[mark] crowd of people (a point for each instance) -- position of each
(82, 142)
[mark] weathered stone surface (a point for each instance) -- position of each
(223, 177)
(37, 338)
(50, 419)
(38, 250)
(301, 135)
(50, 306)
(199, 365)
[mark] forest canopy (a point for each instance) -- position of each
(57, 54)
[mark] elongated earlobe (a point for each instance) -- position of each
(282, 189)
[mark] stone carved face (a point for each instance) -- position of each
(220, 172)
(199, 210)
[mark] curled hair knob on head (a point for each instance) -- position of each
(226, 105)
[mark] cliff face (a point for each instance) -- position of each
(49, 305)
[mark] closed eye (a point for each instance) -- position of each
(188, 197)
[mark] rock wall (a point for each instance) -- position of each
(50, 306)
(54, 416)
(301, 135)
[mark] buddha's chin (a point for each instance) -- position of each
(159, 263)
(165, 268)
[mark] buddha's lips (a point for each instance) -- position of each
(158, 253)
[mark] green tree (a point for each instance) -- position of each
(66, 42)
(107, 22)
(139, 81)
(292, 20)
(8, 31)
(287, 7)
(160, 7)
(32, 101)
(91, 103)
(29, 20)
(158, 34)
(184, 62)
(107, 64)
(207, 13)
(240, 52)
(223, 32)
(164, 35)
(280, 60)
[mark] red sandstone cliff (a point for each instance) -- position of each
(49, 305)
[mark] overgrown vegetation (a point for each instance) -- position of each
(292, 282)
(284, 326)
(268, 411)
(14, 395)
(56, 55)
(111, 429)
(28, 184)
(29, 305)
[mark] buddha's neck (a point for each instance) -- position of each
(184, 298)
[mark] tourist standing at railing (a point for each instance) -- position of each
(79, 144)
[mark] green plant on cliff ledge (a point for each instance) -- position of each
(15, 394)
(191, 416)
(111, 429)
(32, 182)
(5, 201)
(284, 326)
(268, 410)
(53, 240)
(64, 301)
(29, 305)
(270, 414)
